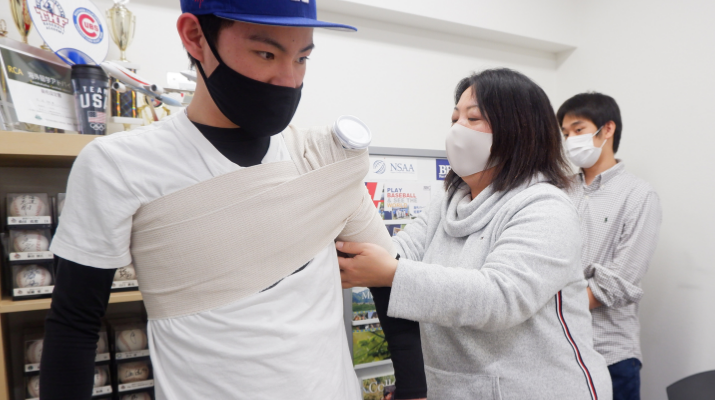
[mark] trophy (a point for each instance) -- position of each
(121, 28)
(21, 16)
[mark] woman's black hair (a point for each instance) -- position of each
(526, 138)
(211, 26)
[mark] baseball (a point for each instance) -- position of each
(131, 340)
(27, 205)
(32, 276)
(133, 372)
(125, 273)
(101, 345)
(26, 241)
(60, 207)
(137, 396)
(33, 386)
(34, 352)
(100, 376)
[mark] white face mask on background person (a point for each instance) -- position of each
(582, 152)
(468, 150)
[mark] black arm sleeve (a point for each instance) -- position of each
(403, 341)
(79, 301)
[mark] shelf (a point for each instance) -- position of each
(372, 364)
(366, 322)
(7, 305)
(32, 149)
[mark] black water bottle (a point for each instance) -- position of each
(91, 86)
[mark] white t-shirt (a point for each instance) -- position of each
(286, 342)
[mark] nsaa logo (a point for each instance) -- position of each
(88, 25)
(402, 168)
(379, 167)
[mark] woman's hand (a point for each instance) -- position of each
(371, 266)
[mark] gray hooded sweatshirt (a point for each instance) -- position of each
(497, 286)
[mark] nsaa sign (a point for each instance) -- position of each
(404, 168)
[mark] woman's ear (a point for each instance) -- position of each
(191, 35)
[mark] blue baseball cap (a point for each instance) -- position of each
(300, 13)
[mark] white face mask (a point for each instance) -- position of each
(468, 150)
(582, 152)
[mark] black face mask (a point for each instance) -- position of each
(259, 108)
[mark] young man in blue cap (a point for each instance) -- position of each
(241, 304)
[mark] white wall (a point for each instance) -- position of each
(401, 80)
(543, 20)
(656, 59)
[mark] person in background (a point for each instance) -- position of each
(491, 271)
(620, 219)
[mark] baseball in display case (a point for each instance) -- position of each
(102, 371)
(102, 381)
(32, 387)
(59, 205)
(134, 376)
(33, 343)
(125, 279)
(103, 354)
(129, 339)
(31, 281)
(29, 246)
(132, 365)
(28, 211)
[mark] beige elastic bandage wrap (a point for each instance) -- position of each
(235, 235)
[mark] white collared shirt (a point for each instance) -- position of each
(620, 221)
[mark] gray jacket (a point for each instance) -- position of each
(497, 286)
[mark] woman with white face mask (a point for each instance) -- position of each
(492, 270)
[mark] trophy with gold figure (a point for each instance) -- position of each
(21, 16)
(122, 23)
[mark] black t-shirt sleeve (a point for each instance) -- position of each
(79, 302)
(403, 341)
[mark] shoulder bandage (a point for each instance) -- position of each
(232, 236)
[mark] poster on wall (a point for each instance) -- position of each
(369, 344)
(363, 304)
(406, 200)
(380, 388)
(40, 91)
(401, 201)
(377, 193)
(393, 229)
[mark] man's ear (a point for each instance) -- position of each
(608, 130)
(191, 35)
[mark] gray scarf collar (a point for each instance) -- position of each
(463, 216)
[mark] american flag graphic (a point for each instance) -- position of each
(97, 117)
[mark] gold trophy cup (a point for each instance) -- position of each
(121, 26)
(21, 16)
